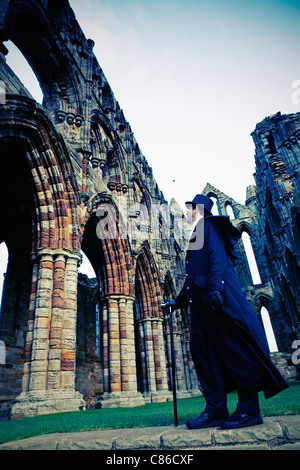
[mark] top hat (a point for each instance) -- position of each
(205, 201)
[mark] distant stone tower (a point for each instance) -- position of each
(277, 158)
(271, 217)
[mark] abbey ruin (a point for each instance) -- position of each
(74, 180)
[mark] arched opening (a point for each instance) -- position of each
(86, 267)
(89, 344)
(148, 325)
(3, 268)
(140, 352)
(215, 208)
(229, 212)
(251, 258)
(268, 329)
(19, 65)
(17, 230)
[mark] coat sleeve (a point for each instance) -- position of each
(216, 256)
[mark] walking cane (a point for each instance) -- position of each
(173, 364)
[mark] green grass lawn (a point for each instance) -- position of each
(154, 414)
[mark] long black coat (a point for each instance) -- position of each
(230, 343)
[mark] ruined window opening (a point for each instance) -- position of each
(268, 329)
(229, 212)
(215, 207)
(3, 267)
(251, 259)
(86, 267)
(20, 66)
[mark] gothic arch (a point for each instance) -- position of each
(151, 347)
(108, 252)
(107, 153)
(231, 212)
(262, 300)
(53, 187)
(46, 273)
(147, 282)
(31, 31)
(245, 226)
(216, 207)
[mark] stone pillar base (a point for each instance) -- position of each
(120, 400)
(189, 393)
(46, 402)
(165, 395)
(158, 396)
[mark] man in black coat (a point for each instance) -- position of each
(228, 344)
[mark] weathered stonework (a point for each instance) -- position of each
(73, 180)
(277, 142)
(59, 163)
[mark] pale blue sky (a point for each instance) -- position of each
(193, 78)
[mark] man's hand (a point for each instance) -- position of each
(215, 300)
(169, 303)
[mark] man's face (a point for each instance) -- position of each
(192, 214)
(189, 210)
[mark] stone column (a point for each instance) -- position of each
(105, 343)
(131, 345)
(142, 353)
(42, 316)
(149, 354)
(114, 345)
(120, 384)
(49, 370)
(55, 335)
(68, 346)
(162, 355)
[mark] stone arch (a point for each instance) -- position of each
(262, 300)
(148, 279)
(105, 245)
(48, 262)
(111, 258)
(26, 24)
(41, 160)
(230, 210)
(216, 209)
(53, 187)
(149, 328)
(107, 153)
(89, 340)
(247, 247)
